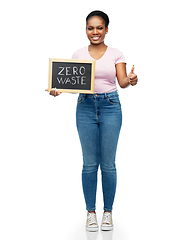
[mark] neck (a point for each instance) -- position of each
(97, 47)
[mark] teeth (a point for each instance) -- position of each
(95, 38)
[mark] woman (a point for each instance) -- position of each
(99, 118)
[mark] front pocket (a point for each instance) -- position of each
(81, 99)
(113, 100)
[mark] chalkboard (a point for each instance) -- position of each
(71, 75)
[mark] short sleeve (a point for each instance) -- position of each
(74, 56)
(119, 57)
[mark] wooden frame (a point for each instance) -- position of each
(70, 75)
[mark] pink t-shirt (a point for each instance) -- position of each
(105, 71)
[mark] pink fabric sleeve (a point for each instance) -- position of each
(75, 55)
(119, 57)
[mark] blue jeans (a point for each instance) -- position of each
(99, 119)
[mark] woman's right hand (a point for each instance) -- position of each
(54, 92)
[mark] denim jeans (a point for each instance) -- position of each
(99, 119)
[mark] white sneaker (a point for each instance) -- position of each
(107, 222)
(91, 223)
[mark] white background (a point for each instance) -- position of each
(41, 160)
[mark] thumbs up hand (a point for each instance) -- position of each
(132, 77)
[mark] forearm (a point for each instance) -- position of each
(125, 82)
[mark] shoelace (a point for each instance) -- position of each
(107, 218)
(91, 219)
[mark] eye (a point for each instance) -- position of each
(90, 28)
(100, 28)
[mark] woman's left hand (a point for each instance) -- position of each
(132, 77)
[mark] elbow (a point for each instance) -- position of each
(122, 86)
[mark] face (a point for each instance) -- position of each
(96, 30)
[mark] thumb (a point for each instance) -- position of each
(132, 69)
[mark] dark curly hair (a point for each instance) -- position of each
(99, 14)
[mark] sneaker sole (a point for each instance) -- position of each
(106, 228)
(92, 229)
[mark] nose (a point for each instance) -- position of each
(95, 31)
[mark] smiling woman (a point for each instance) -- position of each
(99, 118)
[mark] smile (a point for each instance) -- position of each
(95, 38)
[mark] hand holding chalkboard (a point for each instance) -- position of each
(54, 92)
